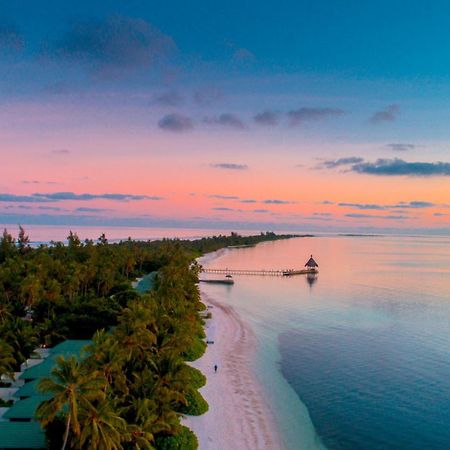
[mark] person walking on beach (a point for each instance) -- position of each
(215, 368)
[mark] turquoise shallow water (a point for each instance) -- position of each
(360, 355)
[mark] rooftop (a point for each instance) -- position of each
(66, 348)
(21, 435)
(311, 263)
(28, 389)
(24, 409)
(70, 347)
(20, 429)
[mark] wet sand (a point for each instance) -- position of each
(239, 415)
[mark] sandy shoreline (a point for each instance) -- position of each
(239, 415)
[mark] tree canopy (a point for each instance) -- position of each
(134, 384)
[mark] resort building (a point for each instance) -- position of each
(19, 428)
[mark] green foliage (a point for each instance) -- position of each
(195, 405)
(7, 246)
(7, 360)
(195, 377)
(211, 244)
(123, 297)
(23, 241)
(146, 381)
(184, 440)
(21, 337)
(195, 350)
(201, 306)
(133, 385)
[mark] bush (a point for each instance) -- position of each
(196, 378)
(196, 404)
(195, 351)
(123, 297)
(201, 306)
(185, 440)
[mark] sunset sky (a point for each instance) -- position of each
(312, 115)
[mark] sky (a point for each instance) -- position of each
(324, 115)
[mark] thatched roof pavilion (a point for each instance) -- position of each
(311, 264)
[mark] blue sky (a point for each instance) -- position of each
(383, 39)
(214, 84)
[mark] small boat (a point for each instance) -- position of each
(218, 281)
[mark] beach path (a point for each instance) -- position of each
(239, 416)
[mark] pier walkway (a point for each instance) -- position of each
(263, 272)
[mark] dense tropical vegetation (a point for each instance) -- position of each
(132, 384)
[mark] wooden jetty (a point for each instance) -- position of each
(263, 272)
(311, 267)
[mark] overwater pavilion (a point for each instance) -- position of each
(311, 264)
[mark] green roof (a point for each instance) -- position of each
(24, 409)
(29, 434)
(28, 389)
(70, 347)
(146, 283)
(40, 370)
(21, 435)
(66, 348)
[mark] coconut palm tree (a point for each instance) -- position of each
(7, 360)
(21, 336)
(73, 389)
(5, 312)
(140, 437)
(102, 428)
(106, 355)
(135, 333)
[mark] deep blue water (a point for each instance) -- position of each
(371, 389)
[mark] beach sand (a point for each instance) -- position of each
(239, 415)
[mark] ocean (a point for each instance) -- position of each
(357, 357)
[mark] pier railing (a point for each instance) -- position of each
(262, 272)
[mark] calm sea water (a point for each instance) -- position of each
(365, 345)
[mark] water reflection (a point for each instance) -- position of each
(311, 279)
(369, 356)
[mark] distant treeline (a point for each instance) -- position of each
(133, 385)
(210, 244)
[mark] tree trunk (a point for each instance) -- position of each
(66, 433)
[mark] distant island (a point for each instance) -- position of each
(358, 235)
(121, 379)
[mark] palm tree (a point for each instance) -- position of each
(7, 360)
(30, 290)
(153, 405)
(107, 356)
(102, 428)
(140, 437)
(72, 388)
(135, 333)
(21, 336)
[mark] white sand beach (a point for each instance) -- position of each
(239, 415)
